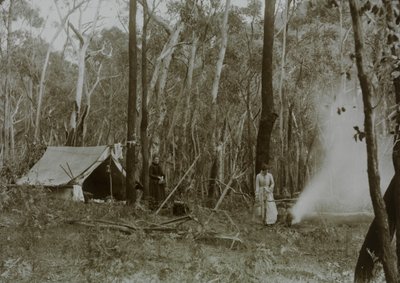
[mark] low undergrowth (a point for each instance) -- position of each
(40, 245)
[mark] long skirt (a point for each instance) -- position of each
(271, 212)
(266, 207)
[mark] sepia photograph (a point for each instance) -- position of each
(199, 141)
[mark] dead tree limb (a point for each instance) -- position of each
(177, 186)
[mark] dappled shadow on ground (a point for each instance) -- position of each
(39, 244)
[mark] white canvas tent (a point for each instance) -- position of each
(96, 169)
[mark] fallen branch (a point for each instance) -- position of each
(102, 225)
(116, 223)
(227, 187)
(129, 229)
(214, 235)
(180, 219)
(122, 226)
(177, 186)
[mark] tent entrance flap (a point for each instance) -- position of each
(98, 182)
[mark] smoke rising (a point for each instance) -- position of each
(341, 184)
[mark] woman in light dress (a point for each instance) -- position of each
(265, 196)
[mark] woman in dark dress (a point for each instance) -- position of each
(157, 182)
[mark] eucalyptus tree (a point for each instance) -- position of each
(268, 116)
(11, 79)
(388, 255)
(145, 115)
(81, 105)
(131, 134)
(386, 67)
(217, 170)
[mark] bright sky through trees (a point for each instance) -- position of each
(111, 14)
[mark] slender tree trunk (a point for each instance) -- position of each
(215, 168)
(188, 108)
(144, 122)
(221, 55)
(342, 71)
(388, 255)
(268, 117)
(7, 89)
(366, 264)
(159, 79)
(284, 169)
(250, 140)
(131, 136)
(289, 165)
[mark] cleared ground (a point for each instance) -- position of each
(39, 243)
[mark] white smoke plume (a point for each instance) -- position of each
(341, 185)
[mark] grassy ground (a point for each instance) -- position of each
(40, 245)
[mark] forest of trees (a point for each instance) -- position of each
(213, 81)
(78, 95)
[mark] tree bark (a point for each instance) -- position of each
(284, 168)
(131, 136)
(216, 142)
(268, 117)
(365, 264)
(159, 78)
(77, 120)
(188, 92)
(221, 55)
(393, 28)
(144, 122)
(7, 90)
(388, 256)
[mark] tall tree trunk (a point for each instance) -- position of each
(217, 145)
(76, 111)
(7, 89)
(388, 255)
(144, 122)
(79, 111)
(159, 79)
(268, 117)
(289, 166)
(221, 55)
(131, 136)
(366, 264)
(393, 29)
(189, 81)
(284, 168)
